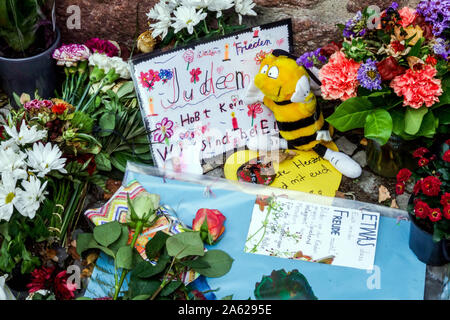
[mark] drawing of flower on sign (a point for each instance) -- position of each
(195, 75)
(188, 57)
(148, 79)
(165, 75)
(164, 131)
(254, 110)
(260, 56)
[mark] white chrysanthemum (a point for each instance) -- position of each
(8, 196)
(160, 11)
(244, 8)
(9, 144)
(44, 159)
(13, 161)
(25, 136)
(30, 198)
(106, 64)
(198, 4)
(219, 6)
(187, 17)
(161, 28)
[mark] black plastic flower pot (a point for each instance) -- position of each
(26, 75)
(422, 244)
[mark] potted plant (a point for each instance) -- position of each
(429, 206)
(391, 75)
(27, 41)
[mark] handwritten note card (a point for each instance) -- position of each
(194, 94)
(315, 233)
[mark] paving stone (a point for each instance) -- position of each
(402, 200)
(346, 146)
(361, 158)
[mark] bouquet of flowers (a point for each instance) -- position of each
(390, 72)
(186, 20)
(431, 205)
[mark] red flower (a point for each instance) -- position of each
(447, 212)
(421, 209)
(417, 187)
(397, 46)
(403, 175)
(2, 129)
(389, 69)
(435, 215)
(431, 60)
(400, 188)
(45, 279)
(447, 156)
(330, 48)
(419, 153)
(447, 142)
(445, 200)
(103, 46)
(423, 162)
(431, 186)
(59, 108)
(195, 75)
(214, 220)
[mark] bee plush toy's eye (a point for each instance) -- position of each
(273, 73)
(264, 69)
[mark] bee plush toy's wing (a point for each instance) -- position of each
(253, 95)
(302, 90)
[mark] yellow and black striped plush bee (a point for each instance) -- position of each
(284, 87)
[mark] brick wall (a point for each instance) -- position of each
(314, 21)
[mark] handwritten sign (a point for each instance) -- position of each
(315, 233)
(194, 94)
(307, 172)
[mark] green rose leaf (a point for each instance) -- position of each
(185, 244)
(378, 126)
(219, 264)
(122, 241)
(351, 114)
(413, 119)
(124, 258)
(146, 270)
(170, 288)
(106, 234)
(140, 287)
(155, 244)
(86, 241)
(196, 264)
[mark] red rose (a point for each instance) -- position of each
(400, 188)
(389, 69)
(435, 215)
(445, 200)
(403, 175)
(447, 156)
(431, 186)
(423, 162)
(421, 209)
(447, 212)
(431, 60)
(213, 228)
(330, 48)
(417, 187)
(419, 153)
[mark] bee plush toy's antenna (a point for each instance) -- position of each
(279, 52)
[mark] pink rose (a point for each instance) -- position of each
(213, 229)
(408, 16)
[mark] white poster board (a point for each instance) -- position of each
(193, 95)
(316, 233)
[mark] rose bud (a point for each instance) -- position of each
(142, 209)
(389, 69)
(210, 224)
(330, 48)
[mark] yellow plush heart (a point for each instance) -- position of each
(307, 172)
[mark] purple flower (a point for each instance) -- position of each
(441, 48)
(394, 6)
(309, 59)
(355, 26)
(368, 75)
(436, 13)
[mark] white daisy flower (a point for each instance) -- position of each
(219, 5)
(25, 136)
(198, 4)
(13, 161)
(44, 159)
(8, 196)
(187, 17)
(160, 11)
(244, 8)
(161, 28)
(9, 144)
(30, 198)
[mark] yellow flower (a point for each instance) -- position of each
(411, 31)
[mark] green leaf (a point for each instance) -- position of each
(185, 244)
(219, 264)
(415, 51)
(155, 244)
(86, 241)
(398, 122)
(126, 88)
(196, 264)
(444, 116)
(124, 258)
(428, 127)
(141, 287)
(102, 161)
(378, 126)
(413, 119)
(107, 123)
(122, 241)
(146, 270)
(351, 114)
(107, 233)
(170, 288)
(142, 297)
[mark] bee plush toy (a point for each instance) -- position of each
(284, 87)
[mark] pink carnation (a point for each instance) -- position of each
(418, 87)
(339, 78)
(408, 16)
